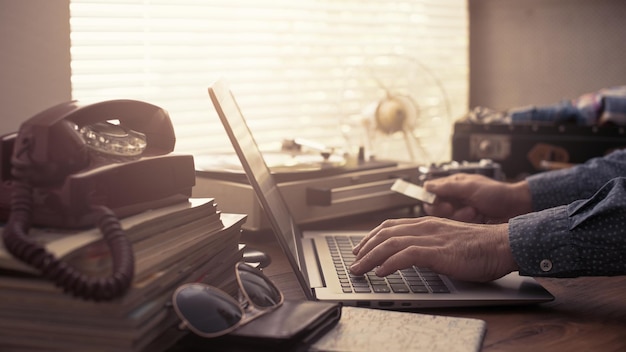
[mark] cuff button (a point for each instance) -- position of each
(545, 265)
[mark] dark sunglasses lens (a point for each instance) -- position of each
(260, 291)
(207, 310)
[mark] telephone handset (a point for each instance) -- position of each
(75, 166)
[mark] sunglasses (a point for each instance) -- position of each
(210, 312)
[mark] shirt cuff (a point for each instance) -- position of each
(541, 243)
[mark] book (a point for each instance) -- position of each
(150, 225)
(27, 292)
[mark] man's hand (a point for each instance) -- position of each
(478, 199)
(473, 252)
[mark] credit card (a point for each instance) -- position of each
(414, 191)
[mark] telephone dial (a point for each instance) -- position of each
(78, 166)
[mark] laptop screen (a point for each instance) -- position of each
(260, 177)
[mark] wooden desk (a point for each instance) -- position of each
(588, 314)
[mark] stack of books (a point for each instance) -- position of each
(185, 242)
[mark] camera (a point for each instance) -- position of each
(486, 167)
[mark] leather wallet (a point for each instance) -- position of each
(294, 326)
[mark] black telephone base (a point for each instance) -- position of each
(149, 182)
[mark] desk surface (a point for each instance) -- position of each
(588, 314)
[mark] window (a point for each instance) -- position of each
(299, 68)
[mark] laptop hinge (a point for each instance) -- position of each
(314, 270)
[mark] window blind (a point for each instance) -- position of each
(307, 69)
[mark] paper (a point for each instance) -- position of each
(414, 191)
(364, 329)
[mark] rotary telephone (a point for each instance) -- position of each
(77, 166)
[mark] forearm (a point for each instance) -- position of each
(521, 199)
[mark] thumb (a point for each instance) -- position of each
(456, 186)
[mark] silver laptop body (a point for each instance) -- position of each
(309, 252)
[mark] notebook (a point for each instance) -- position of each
(388, 330)
(315, 256)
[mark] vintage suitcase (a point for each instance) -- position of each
(526, 148)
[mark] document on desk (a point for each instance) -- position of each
(364, 329)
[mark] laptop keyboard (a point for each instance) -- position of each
(416, 280)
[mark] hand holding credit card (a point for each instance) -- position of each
(414, 191)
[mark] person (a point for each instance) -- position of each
(561, 223)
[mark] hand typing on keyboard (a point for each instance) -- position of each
(561, 223)
(474, 252)
(463, 250)
(416, 280)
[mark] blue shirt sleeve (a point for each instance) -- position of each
(586, 237)
(562, 187)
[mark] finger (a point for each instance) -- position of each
(413, 256)
(368, 260)
(410, 227)
(372, 241)
(385, 224)
(386, 231)
(371, 234)
(455, 186)
(466, 214)
(389, 247)
(440, 209)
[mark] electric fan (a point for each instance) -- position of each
(401, 108)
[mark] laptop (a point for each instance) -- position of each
(317, 256)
